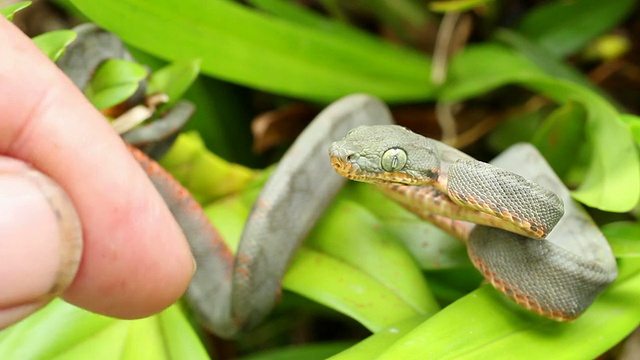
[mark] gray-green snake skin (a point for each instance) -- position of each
(556, 273)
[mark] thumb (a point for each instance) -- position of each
(40, 240)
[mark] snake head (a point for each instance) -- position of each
(386, 154)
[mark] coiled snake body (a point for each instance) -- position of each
(504, 219)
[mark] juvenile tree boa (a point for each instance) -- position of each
(505, 219)
(557, 277)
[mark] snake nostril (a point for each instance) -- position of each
(352, 157)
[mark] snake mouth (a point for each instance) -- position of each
(353, 171)
(347, 169)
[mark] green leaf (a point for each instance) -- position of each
(207, 176)
(482, 325)
(386, 260)
(9, 11)
(633, 122)
(479, 69)
(624, 238)
(614, 160)
(63, 331)
(242, 45)
(173, 79)
(180, 339)
(55, 329)
(559, 134)
(54, 43)
(563, 27)
(346, 289)
(114, 81)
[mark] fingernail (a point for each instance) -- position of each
(40, 240)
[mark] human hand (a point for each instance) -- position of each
(135, 260)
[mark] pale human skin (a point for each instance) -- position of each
(135, 260)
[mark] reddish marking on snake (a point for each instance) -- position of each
(263, 205)
(243, 271)
(513, 292)
(186, 203)
(244, 259)
(529, 228)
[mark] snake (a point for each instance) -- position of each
(505, 219)
(233, 291)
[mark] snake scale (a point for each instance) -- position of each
(557, 277)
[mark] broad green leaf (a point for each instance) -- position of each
(173, 79)
(481, 68)
(614, 159)
(485, 325)
(54, 43)
(563, 27)
(624, 238)
(346, 289)
(63, 331)
(9, 11)
(114, 81)
(53, 330)
(239, 44)
(558, 135)
(386, 260)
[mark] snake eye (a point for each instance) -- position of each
(394, 159)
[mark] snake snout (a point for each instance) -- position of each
(342, 159)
